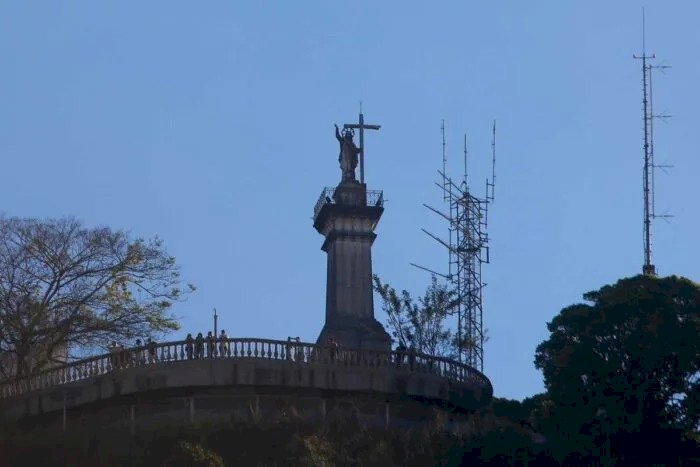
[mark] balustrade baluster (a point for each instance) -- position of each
(276, 354)
(249, 353)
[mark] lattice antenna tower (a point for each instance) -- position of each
(468, 251)
(650, 166)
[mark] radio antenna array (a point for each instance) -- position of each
(650, 166)
(468, 251)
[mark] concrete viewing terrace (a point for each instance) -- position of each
(245, 362)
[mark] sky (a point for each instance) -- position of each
(210, 124)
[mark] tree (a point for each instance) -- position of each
(420, 324)
(189, 454)
(65, 286)
(623, 371)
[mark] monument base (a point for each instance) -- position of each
(351, 332)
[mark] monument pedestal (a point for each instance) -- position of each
(347, 216)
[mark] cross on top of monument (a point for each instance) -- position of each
(361, 126)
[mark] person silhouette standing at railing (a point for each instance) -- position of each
(411, 357)
(288, 349)
(151, 344)
(211, 345)
(189, 346)
(223, 344)
(400, 352)
(114, 355)
(298, 350)
(199, 346)
(123, 356)
(138, 353)
(332, 349)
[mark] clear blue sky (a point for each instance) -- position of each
(211, 125)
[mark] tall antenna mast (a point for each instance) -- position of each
(466, 155)
(492, 185)
(648, 179)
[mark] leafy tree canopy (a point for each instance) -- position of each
(64, 286)
(419, 324)
(623, 369)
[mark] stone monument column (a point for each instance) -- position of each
(347, 216)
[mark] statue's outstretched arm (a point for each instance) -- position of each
(337, 134)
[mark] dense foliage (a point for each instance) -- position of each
(66, 288)
(340, 441)
(420, 324)
(622, 373)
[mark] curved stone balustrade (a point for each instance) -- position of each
(305, 355)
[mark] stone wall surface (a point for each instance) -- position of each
(244, 372)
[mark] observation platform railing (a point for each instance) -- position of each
(372, 198)
(295, 353)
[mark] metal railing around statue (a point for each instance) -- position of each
(373, 198)
(300, 353)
